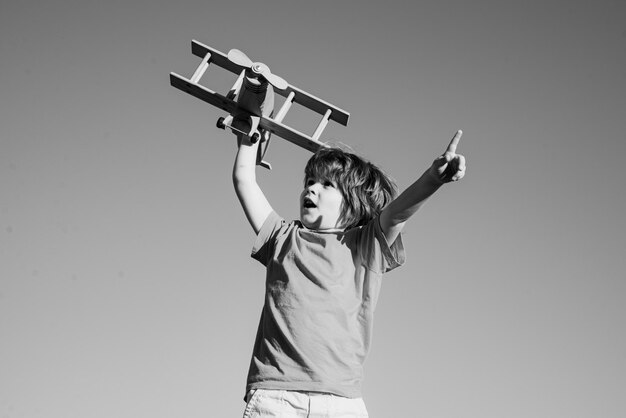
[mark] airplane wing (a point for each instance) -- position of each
(276, 127)
(300, 96)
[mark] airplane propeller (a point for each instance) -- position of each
(241, 59)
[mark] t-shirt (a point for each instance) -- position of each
(321, 291)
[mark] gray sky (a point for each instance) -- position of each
(126, 286)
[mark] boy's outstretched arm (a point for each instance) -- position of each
(448, 167)
(255, 205)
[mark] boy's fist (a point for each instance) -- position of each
(449, 166)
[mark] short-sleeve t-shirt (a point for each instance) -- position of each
(321, 290)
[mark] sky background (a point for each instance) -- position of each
(126, 286)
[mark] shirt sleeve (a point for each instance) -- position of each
(263, 247)
(377, 254)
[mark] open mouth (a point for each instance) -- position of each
(308, 203)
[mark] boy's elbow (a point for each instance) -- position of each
(236, 177)
(242, 181)
(241, 174)
(238, 182)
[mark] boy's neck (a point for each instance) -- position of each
(325, 231)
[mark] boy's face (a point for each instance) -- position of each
(320, 205)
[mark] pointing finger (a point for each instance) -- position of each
(455, 141)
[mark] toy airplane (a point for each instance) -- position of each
(250, 102)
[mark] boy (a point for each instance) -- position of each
(323, 277)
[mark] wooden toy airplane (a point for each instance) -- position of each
(250, 102)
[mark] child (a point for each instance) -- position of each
(323, 277)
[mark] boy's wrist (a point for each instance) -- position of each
(245, 161)
(433, 178)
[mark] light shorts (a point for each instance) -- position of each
(265, 403)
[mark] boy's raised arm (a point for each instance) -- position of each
(448, 167)
(253, 201)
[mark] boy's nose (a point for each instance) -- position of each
(313, 187)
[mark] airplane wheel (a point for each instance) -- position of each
(255, 137)
(220, 123)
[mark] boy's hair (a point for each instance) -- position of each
(366, 189)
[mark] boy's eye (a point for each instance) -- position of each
(325, 183)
